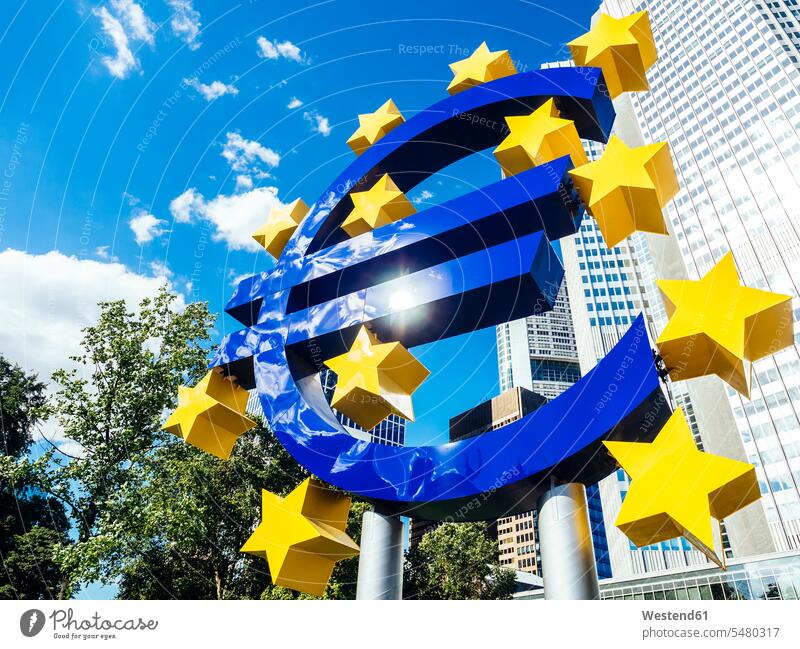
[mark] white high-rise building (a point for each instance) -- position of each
(539, 353)
(608, 292)
(784, 18)
(724, 94)
(608, 289)
(548, 353)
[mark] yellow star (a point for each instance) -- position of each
(302, 536)
(210, 415)
(538, 138)
(626, 189)
(280, 226)
(373, 126)
(676, 488)
(481, 66)
(375, 380)
(717, 326)
(623, 47)
(384, 203)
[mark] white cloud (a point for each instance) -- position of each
(248, 156)
(424, 196)
(128, 23)
(71, 448)
(243, 182)
(50, 431)
(294, 103)
(160, 270)
(130, 199)
(146, 227)
(274, 50)
(185, 207)
(103, 252)
(123, 62)
(139, 26)
(235, 278)
(47, 300)
(235, 217)
(319, 123)
(213, 90)
(185, 22)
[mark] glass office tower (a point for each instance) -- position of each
(607, 289)
(724, 94)
(539, 353)
(766, 577)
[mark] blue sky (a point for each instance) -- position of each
(141, 141)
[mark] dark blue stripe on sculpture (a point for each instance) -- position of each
(513, 280)
(534, 201)
(459, 126)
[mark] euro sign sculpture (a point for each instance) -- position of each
(476, 261)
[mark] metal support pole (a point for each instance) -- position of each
(565, 542)
(380, 565)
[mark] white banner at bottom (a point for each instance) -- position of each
(389, 625)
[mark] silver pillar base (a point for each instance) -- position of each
(565, 541)
(380, 564)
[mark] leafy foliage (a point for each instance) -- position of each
(192, 516)
(32, 525)
(456, 561)
(112, 405)
(21, 396)
(152, 515)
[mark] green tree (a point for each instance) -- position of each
(456, 561)
(32, 525)
(192, 516)
(112, 403)
(153, 515)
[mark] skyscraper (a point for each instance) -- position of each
(517, 535)
(724, 94)
(608, 289)
(539, 353)
(608, 292)
(603, 293)
(508, 406)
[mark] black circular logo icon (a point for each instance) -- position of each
(31, 622)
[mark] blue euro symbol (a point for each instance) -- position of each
(476, 261)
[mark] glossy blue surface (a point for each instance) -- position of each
(431, 140)
(474, 262)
